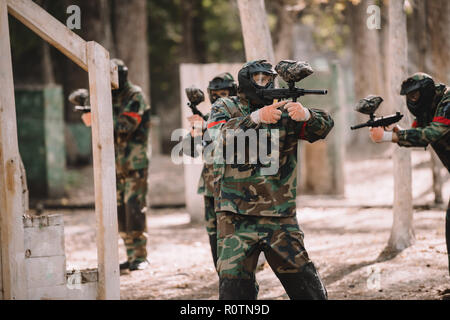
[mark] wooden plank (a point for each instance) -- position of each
(44, 242)
(54, 32)
(46, 271)
(11, 206)
(104, 172)
(84, 291)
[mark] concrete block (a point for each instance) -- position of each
(46, 271)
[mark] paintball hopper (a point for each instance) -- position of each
(293, 71)
(79, 97)
(195, 95)
(369, 104)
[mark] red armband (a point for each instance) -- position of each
(133, 115)
(442, 120)
(414, 124)
(212, 124)
(302, 131)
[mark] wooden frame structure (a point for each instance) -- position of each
(94, 59)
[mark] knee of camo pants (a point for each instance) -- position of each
(135, 201)
(237, 246)
(210, 216)
(135, 245)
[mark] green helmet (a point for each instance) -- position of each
(425, 84)
(223, 81)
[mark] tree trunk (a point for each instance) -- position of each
(284, 35)
(438, 25)
(193, 45)
(366, 61)
(255, 29)
(130, 33)
(402, 233)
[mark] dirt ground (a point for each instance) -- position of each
(344, 238)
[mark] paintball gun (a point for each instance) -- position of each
(195, 96)
(368, 106)
(291, 72)
(80, 98)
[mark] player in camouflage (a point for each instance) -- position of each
(257, 212)
(430, 104)
(131, 117)
(223, 85)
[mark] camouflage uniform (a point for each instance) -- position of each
(131, 115)
(257, 212)
(432, 128)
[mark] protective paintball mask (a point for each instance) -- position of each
(254, 76)
(420, 107)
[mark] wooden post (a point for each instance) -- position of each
(402, 233)
(255, 29)
(11, 206)
(104, 172)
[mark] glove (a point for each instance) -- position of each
(197, 125)
(268, 114)
(86, 117)
(379, 135)
(297, 112)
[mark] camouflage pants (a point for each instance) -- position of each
(211, 226)
(240, 241)
(131, 209)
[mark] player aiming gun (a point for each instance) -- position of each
(291, 72)
(195, 96)
(368, 106)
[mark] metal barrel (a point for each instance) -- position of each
(321, 92)
(359, 126)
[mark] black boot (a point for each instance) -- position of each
(124, 268)
(238, 289)
(304, 285)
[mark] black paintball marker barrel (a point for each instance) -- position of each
(319, 92)
(359, 126)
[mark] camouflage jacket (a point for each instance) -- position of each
(131, 115)
(244, 188)
(206, 182)
(437, 132)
